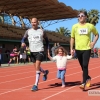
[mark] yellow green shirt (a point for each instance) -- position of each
(82, 35)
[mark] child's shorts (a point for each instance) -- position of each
(23, 56)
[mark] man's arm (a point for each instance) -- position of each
(72, 40)
(94, 41)
(96, 38)
(23, 40)
(95, 32)
(72, 43)
(24, 37)
(46, 40)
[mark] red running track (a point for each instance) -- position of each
(16, 82)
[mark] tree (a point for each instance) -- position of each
(63, 31)
(93, 16)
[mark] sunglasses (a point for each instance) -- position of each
(81, 15)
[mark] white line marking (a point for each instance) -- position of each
(34, 76)
(29, 77)
(8, 68)
(65, 90)
(49, 68)
(40, 83)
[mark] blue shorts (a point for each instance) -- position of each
(61, 74)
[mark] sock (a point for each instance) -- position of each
(42, 70)
(37, 77)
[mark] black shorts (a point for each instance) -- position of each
(37, 56)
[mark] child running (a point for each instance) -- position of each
(61, 62)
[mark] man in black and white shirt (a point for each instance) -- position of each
(35, 37)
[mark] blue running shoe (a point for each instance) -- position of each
(34, 88)
(45, 75)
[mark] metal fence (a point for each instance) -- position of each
(5, 57)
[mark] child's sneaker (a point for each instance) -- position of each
(45, 75)
(63, 86)
(34, 88)
(82, 86)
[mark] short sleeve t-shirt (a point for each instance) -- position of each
(82, 35)
(35, 38)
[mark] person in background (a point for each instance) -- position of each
(28, 53)
(53, 49)
(98, 52)
(13, 55)
(22, 52)
(0, 57)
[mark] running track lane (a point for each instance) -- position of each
(49, 91)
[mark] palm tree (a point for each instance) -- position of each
(63, 31)
(93, 16)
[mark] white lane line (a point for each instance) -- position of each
(41, 83)
(31, 76)
(48, 69)
(64, 90)
(44, 66)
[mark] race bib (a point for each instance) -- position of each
(35, 38)
(83, 31)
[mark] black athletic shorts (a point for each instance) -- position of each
(37, 56)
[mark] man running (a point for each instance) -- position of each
(35, 37)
